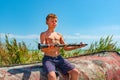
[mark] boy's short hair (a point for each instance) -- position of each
(51, 15)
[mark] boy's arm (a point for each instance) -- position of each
(67, 48)
(43, 41)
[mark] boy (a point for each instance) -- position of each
(52, 57)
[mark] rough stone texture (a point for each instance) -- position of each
(99, 66)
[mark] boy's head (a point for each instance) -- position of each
(51, 15)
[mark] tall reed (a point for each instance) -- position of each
(104, 44)
(12, 52)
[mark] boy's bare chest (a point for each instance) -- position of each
(53, 38)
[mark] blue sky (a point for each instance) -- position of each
(78, 20)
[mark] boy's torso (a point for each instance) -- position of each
(52, 38)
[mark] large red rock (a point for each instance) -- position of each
(99, 66)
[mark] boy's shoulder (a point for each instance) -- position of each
(43, 33)
(59, 34)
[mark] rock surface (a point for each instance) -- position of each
(98, 66)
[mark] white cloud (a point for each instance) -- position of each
(90, 38)
(81, 36)
(32, 36)
(117, 37)
(75, 37)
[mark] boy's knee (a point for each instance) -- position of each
(52, 75)
(74, 72)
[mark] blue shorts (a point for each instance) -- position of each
(51, 63)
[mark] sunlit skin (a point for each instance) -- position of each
(51, 37)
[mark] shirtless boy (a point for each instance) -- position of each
(52, 57)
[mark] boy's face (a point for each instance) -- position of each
(52, 22)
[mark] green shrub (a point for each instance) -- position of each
(12, 52)
(104, 44)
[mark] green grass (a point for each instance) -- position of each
(104, 44)
(12, 52)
